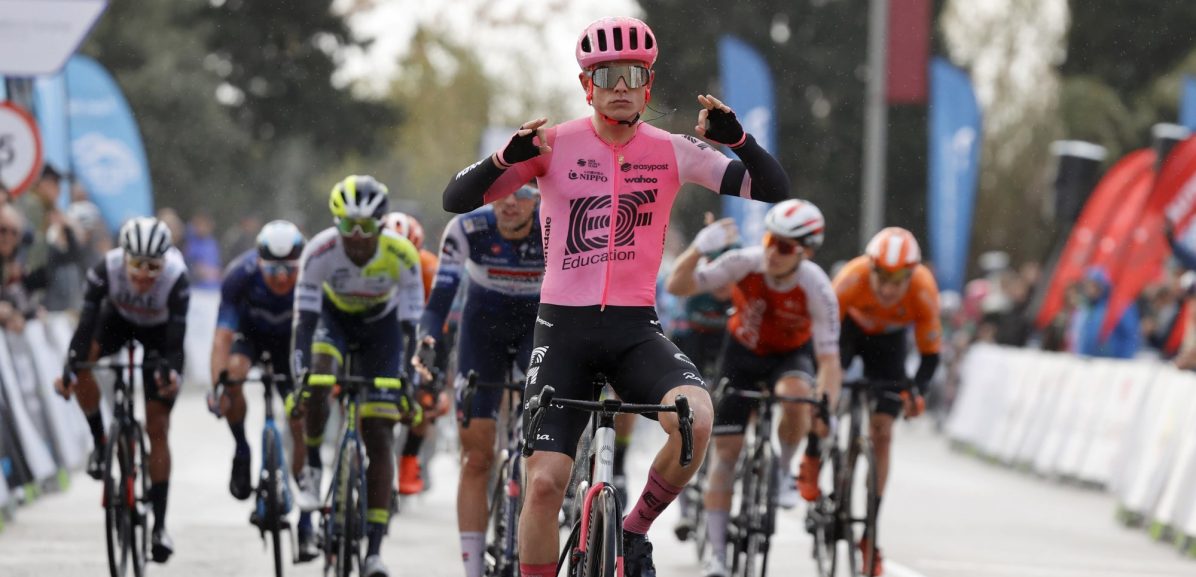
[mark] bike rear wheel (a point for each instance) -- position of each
(273, 519)
(605, 540)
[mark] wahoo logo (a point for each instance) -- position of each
(640, 180)
(590, 221)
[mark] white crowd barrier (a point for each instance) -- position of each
(43, 436)
(1128, 427)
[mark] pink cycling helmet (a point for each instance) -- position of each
(617, 38)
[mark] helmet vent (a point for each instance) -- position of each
(618, 38)
(602, 41)
(633, 38)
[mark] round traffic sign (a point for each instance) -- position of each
(20, 148)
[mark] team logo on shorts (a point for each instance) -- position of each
(533, 368)
(681, 357)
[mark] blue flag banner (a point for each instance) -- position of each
(106, 151)
(747, 88)
(1187, 102)
(49, 97)
(955, 135)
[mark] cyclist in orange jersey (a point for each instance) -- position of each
(881, 295)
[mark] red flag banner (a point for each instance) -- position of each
(908, 54)
(1141, 260)
(1107, 197)
(1111, 244)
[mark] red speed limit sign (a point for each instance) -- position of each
(20, 148)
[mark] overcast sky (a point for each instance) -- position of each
(519, 40)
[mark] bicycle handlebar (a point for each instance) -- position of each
(535, 407)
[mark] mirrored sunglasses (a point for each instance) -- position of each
(893, 277)
(148, 266)
(633, 75)
(360, 226)
(279, 267)
(782, 245)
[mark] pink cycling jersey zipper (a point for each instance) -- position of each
(610, 236)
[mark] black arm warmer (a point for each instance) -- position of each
(769, 181)
(305, 329)
(93, 299)
(410, 341)
(926, 368)
(467, 190)
(176, 328)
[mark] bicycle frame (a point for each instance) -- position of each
(600, 494)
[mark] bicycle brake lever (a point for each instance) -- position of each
(685, 424)
(535, 408)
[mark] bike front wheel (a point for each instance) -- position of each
(123, 491)
(272, 520)
(864, 505)
(761, 511)
(604, 543)
(348, 511)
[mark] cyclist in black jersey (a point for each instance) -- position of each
(139, 291)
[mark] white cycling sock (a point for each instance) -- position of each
(716, 532)
(472, 544)
(787, 453)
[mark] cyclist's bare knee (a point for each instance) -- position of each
(881, 431)
(157, 422)
(547, 479)
(477, 447)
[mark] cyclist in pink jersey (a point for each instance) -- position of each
(608, 182)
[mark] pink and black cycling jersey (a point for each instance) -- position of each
(590, 257)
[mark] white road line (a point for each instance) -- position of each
(953, 567)
(895, 569)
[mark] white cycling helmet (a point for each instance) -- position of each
(798, 220)
(280, 240)
(145, 237)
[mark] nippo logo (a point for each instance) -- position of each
(107, 164)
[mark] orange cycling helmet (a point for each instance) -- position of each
(894, 249)
(406, 226)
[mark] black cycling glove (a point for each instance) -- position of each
(518, 149)
(724, 128)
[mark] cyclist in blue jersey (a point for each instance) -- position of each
(256, 298)
(498, 248)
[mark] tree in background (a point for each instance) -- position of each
(449, 96)
(278, 60)
(817, 50)
(197, 153)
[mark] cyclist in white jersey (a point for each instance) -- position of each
(607, 183)
(359, 292)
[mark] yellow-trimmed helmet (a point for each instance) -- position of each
(359, 196)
